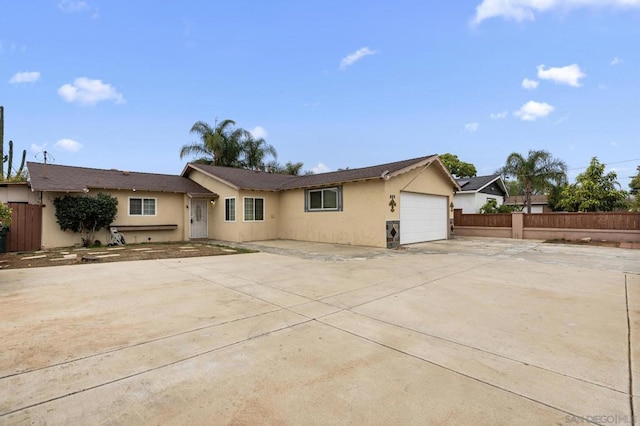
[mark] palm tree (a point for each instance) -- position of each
(290, 168)
(538, 172)
(219, 145)
(254, 151)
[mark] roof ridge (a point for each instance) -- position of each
(102, 170)
(409, 160)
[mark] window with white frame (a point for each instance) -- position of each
(229, 209)
(142, 206)
(324, 199)
(253, 209)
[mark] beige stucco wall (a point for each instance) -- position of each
(239, 230)
(170, 209)
(426, 180)
(365, 209)
(17, 193)
(361, 222)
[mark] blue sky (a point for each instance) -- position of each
(334, 84)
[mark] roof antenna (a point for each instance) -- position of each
(45, 154)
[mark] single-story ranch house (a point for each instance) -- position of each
(381, 206)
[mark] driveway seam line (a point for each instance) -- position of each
(152, 369)
(461, 374)
(157, 339)
(489, 352)
(629, 354)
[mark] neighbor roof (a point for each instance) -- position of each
(263, 181)
(57, 178)
(477, 183)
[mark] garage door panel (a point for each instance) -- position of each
(423, 217)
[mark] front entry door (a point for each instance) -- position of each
(198, 218)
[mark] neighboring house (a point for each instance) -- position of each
(151, 207)
(382, 206)
(476, 191)
(539, 203)
(16, 192)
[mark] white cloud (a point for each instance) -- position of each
(616, 61)
(526, 10)
(533, 110)
(37, 148)
(68, 145)
(70, 6)
(12, 47)
(529, 84)
(89, 92)
(471, 127)
(355, 56)
(258, 132)
(25, 77)
(570, 74)
(499, 115)
(320, 168)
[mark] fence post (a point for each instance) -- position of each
(517, 225)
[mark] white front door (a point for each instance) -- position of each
(198, 218)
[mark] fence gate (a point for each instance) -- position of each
(25, 232)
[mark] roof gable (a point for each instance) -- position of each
(478, 183)
(58, 178)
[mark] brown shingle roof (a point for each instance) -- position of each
(262, 181)
(57, 178)
(243, 178)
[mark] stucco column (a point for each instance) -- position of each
(517, 225)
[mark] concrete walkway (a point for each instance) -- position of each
(471, 331)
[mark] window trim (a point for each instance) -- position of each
(234, 209)
(142, 214)
(307, 199)
(244, 216)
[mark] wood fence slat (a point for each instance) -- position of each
(609, 220)
(25, 232)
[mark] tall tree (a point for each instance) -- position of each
(255, 151)
(1, 141)
(290, 168)
(594, 191)
(219, 145)
(634, 189)
(458, 168)
(538, 172)
(634, 185)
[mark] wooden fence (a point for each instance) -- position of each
(492, 220)
(618, 221)
(621, 227)
(25, 231)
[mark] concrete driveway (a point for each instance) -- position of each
(468, 331)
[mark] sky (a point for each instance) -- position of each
(333, 84)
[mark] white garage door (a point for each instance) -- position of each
(422, 217)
